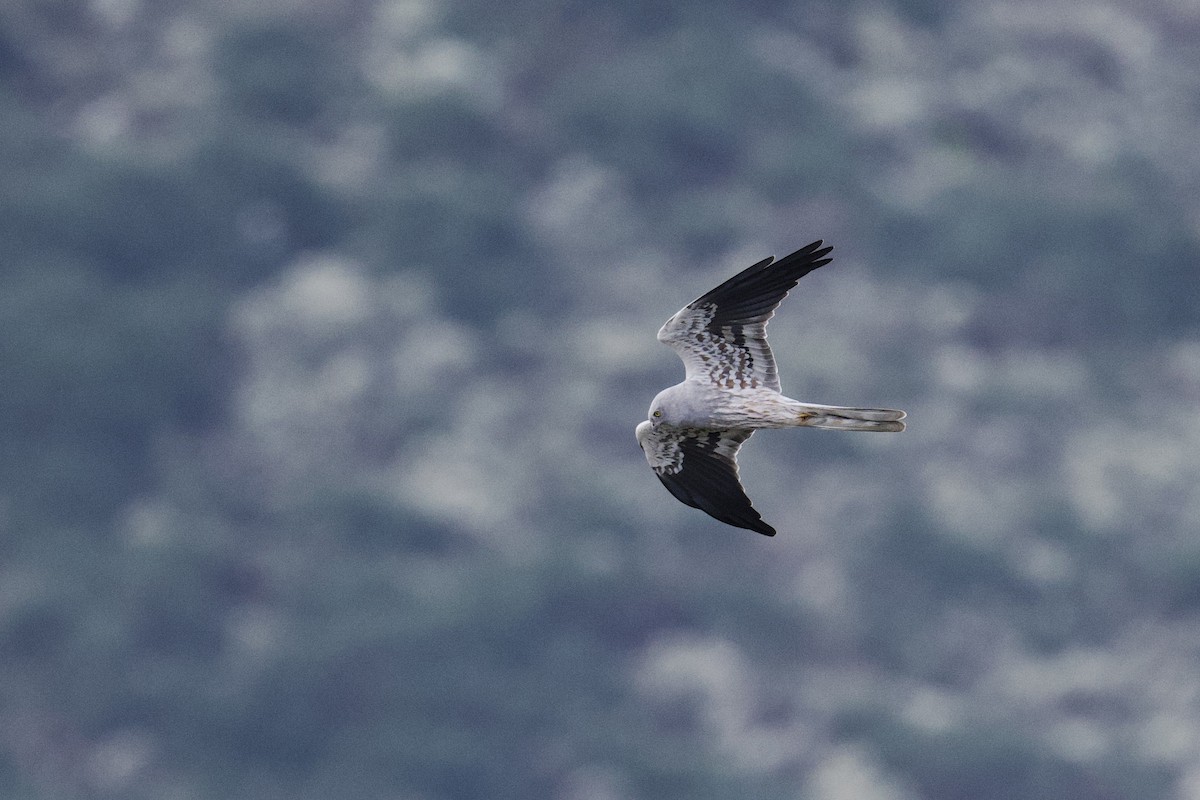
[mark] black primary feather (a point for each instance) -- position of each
(755, 292)
(708, 480)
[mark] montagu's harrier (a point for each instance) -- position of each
(695, 428)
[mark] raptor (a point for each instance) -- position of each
(731, 389)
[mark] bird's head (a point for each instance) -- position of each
(664, 410)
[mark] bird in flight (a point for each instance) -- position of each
(695, 428)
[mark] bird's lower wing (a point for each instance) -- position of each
(699, 467)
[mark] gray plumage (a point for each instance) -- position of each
(731, 389)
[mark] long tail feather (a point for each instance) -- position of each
(883, 420)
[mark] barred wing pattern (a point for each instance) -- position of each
(699, 467)
(695, 428)
(722, 336)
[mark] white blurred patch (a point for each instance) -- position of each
(946, 308)
(890, 102)
(322, 292)
(445, 347)
(254, 633)
(714, 676)
(119, 759)
(116, 13)
(104, 120)
(613, 344)
(592, 782)
(851, 773)
(150, 522)
(338, 365)
(1169, 735)
(1045, 564)
(404, 17)
(460, 479)
(1130, 37)
(980, 507)
(712, 668)
(480, 471)
(959, 367)
(933, 709)
(926, 175)
(1183, 365)
(401, 61)
(1188, 787)
(1143, 476)
(1080, 740)
(583, 213)
(822, 587)
(889, 44)
(352, 159)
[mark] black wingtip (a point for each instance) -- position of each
(759, 288)
(756, 525)
(813, 254)
(762, 527)
(748, 520)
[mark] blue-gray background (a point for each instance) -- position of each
(324, 327)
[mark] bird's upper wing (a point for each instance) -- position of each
(722, 336)
(699, 467)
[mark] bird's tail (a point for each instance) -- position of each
(840, 418)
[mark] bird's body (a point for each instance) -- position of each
(731, 389)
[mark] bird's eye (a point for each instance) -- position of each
(658, 413)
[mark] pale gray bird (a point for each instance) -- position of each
(695, 428)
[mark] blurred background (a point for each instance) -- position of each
(324, 327)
